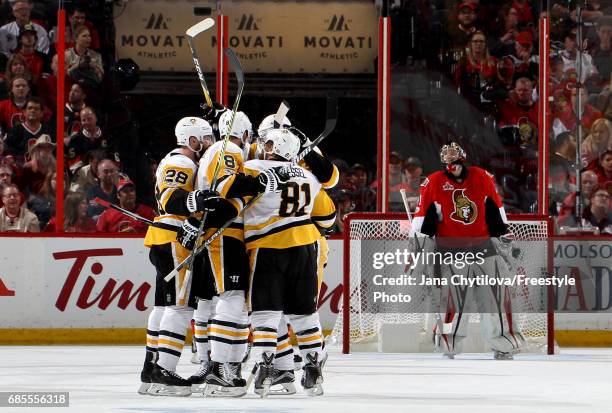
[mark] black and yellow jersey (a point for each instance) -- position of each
(281, 219)
(323, 213)
(175, 178)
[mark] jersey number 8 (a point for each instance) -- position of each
(290, 199)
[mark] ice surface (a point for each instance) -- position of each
(105, 379)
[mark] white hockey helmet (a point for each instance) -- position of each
(267, 124)
(282, 142)
(191, 126)
(240, 125)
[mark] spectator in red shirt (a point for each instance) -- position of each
(76, 18)
(75, 215)
(47, 85)
(603, 168)
(525, 14)
(12, 109)
(114, 221)
(35, 61)
(108, 175)
(565, 120)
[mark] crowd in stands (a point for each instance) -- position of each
(28, 91)
(487, 53)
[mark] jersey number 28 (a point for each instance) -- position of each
(290, 199)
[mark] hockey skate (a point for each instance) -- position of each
(282, 383)
(198, 379)
(145, 374)
(224, 380)
(501, 355)
(312, 378)
(265, 375)
(168, 383)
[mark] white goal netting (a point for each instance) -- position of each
(366, 325)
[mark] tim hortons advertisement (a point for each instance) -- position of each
(98, 283)
(267, 36)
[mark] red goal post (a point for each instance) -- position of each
(353, 321)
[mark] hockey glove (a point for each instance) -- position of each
(187, 235)
(213, 114)
(304, 140)
(205, 200)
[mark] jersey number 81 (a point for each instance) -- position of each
(290, 199)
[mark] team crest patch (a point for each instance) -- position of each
(465, 209)
(447, 186)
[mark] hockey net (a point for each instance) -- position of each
(359, 328)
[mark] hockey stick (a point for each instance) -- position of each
(281, 113)
(137, 217)
(191, 33)
(406, 206)
(330, 125)
(235, 64)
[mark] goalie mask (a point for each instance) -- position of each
(192, 126)
(241, 124)
(452, 156)
(283, 143)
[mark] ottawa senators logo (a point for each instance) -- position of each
(465, 209)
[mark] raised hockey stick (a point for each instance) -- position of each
(137, 217)
(330, 124)
(283, 108)
(191, 33)
(237, 67)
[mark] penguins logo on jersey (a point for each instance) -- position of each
(465, 209)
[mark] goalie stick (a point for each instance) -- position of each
(330, 125)
(191, 33)
(137, 217)
(237, 67)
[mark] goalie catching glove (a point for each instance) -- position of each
(205, 200)
(187, 235)
(272, 180)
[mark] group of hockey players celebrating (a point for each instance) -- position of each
(263, 216)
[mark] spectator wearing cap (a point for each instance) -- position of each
(31, 128)
(89, 137)
(524, 11)
(75, 215)
(41, 161)
(76, 18)
(460, 28)
(35, 60)
(14, 217)
(10, 32)
(569, 55)
(108, 176)
(12, 109)
(412, 176)
(84, 64)
(114, 221)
